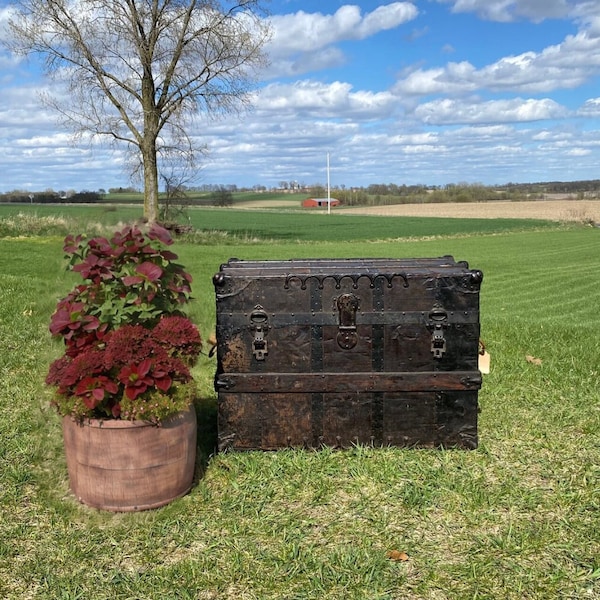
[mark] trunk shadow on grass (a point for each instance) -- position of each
(206, 415)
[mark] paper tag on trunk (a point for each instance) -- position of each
(484, 362)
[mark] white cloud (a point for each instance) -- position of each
(310, 31)
(21, 112)
(306, 62)
(578, 152)
(590, 109)
(302, 41)
(333, 100)
(5, 14)
(516, 110)
(455, 78)
(511, 10)
(8, 61)
(560, 66)
(41, 143)
(386, 17)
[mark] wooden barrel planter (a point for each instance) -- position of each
(125, 466)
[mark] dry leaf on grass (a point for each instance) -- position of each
(534, 361)
(397, 555)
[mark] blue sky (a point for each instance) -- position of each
(423, 92)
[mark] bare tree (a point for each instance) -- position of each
(175, 175)
(222, 196)
(139, 70)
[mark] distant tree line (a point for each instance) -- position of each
(374, 194)
(589, 186)
(52, 197)
(123, 190)
(386, 194)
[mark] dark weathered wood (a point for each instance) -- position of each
(335, 352)
(348, 382)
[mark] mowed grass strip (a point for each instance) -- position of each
(517, 518)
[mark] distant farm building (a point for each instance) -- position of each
(319, 202)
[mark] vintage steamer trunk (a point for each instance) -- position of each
(338, 352)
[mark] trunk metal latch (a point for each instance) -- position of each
(438, 318)
(347, 305)
(259, 322)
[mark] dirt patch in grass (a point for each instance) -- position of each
(551, 210)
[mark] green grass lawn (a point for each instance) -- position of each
(517, 518)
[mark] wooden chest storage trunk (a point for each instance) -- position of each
(338, 352)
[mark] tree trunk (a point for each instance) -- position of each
(148, 145)
(150, 181)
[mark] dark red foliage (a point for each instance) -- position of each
(180, 334)
(133, 362)
(95, 269)
(160, 233)
(128, 344)
(72, 243)
(57, 371)
(93, 390)
(136, 378)
(123, 334)
(147, 271)
(132, 270)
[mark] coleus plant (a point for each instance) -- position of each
(128, 346)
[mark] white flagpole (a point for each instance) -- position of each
(328, 188)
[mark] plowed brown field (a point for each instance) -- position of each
(551, 210)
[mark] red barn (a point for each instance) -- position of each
(319, 202)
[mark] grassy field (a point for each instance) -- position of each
(227, 226)
(239, 198)
(336, 227)
(517, 518)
